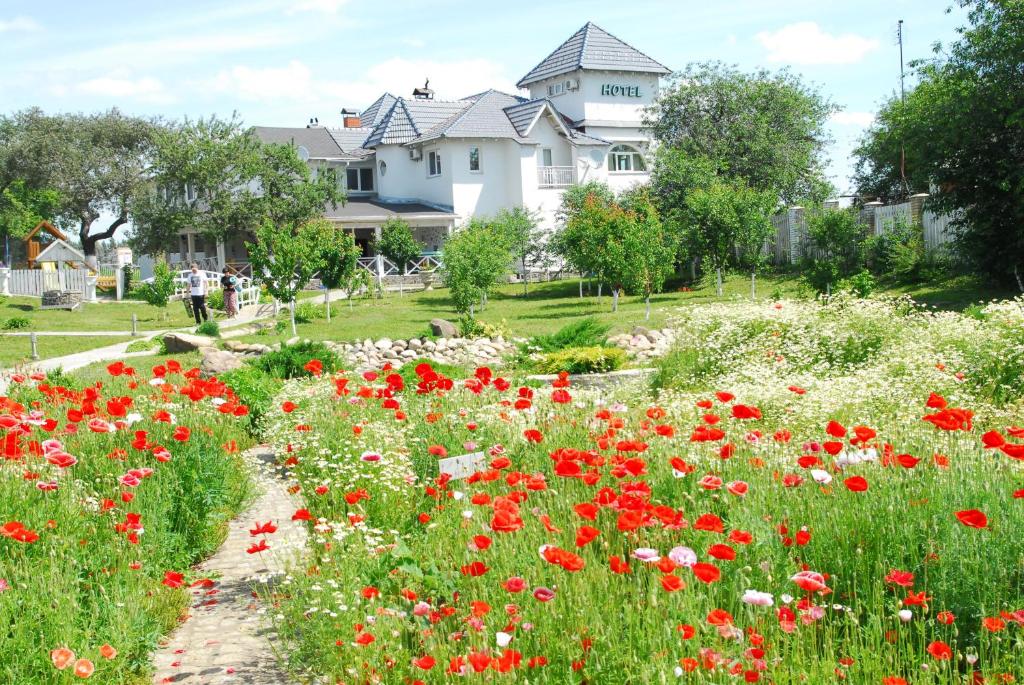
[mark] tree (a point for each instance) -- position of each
(835, 235)
(674, 176)
(765, 128)
(98, 164)
(963, 131)
(285, 258)
(339, 259)
(648, 248)
(158, 292)
(527, 243)
(755, 231)
(398, 244)
(473, 260)
(23, 207)
(576, 241)
(237, 184)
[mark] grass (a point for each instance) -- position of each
(955, 293)
(16, 350)
(113, 316)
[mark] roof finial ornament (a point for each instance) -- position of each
(423, 93)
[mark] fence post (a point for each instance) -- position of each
(380, 272)
(35, 349)
(135, 325)
(5, 278)
(796, 235)
(871, 211)
(917, 208)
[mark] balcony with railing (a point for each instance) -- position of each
(556, 176)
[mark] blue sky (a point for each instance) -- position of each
(280, 62)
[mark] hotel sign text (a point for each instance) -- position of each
(615, 89)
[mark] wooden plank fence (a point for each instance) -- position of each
(34, 282)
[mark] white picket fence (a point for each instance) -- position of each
(35, 282)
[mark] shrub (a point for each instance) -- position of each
(594, 359)
(307, 312)
(898, 252)
(588, 332)
(143, 345)
(470, 327)
(158, 292)
(215, 299)
(861, 284)
(16, 322)
(210, 328)
(58, 379)
(255, 388)
(290, 361)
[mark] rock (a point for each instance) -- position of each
(216, 362)
(408, 354)
(443, 328)
(399, 345)
(441, 344)
(292, 341)
(655, 336)
(415, 344)
(236, 345)
(430, 346)
(639, 342)
(383, 344)
(640, 330)
(186, 342)
(390, 354)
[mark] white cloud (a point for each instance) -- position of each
(325, 6)
(119, 85)
(806, 43)
(861, 119)
(24, 24)
(296, 82)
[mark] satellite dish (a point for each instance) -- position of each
(303, 153)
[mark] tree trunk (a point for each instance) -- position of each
(471, 314)
(615, 299)
(600, 285)
(693, 269)
(292, 312)
(1019, 277)
(401, 284)
(753, 285)
(526, 281)
(581, 287)
(718, 281)
(647, 301)
(327, 303)
(89, 241)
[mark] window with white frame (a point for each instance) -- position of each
(433, 163)
(545, 157)
(474, 158)
(623, 158)
(556, 88)
(359, 180)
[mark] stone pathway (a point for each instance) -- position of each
(226, 637)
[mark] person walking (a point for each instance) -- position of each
(229, 283)
(197, 288)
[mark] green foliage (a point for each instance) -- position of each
(588, 332)
(143, 345)
(289, 361)
(307, 312)
(470, 327)
(835, 237)
(285, 258)
(474, 259)
(970, 154)
(861, 284)
(23, 207)
(158, 292)
(255, 388)
(397, 243)
(59, 379)
(215, 299)
(239, 184)
(15, 323)
(574, 197)
(582, 360)
(526, 241)
(209, 327)
(765, 129)
(898, 252)
(408, 371)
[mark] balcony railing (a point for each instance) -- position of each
(556, 176)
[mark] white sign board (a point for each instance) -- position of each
(463, 465)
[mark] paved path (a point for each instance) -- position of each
(226, 637)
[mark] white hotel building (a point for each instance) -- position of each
(437, 163)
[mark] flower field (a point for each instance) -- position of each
(108, 494)
(814, 494)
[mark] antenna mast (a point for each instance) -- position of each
(903, 101)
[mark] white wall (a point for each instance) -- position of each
(494, 187)
(407, 180)
(593, 108)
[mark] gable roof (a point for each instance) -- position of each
(592, 48)
(484, 117)
(317, 140)
(372, 115)
(59, 251)
(45, 225)
(351, 140)
(411, 119)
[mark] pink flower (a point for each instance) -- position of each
(543, 594)
(646, 554)
(683, 556)
(757, 599)
(4, 587)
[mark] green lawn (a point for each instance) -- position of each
(15, 350)
(115, 316)
(955, 293)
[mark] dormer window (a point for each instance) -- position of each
(624, 159)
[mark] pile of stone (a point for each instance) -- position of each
(644, 343)
(372, 354)
(250, 349)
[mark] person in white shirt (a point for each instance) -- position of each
(197, 288)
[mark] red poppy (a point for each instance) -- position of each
(706, 573)
(972, 518)
(173, 579)
(672, 583)
(856, 484)
(940, 651)
(182, 433)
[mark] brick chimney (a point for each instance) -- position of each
(351, 119)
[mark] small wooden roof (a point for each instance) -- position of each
(59, 251)
(49, 228)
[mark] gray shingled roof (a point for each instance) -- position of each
(372, 115)
(411, 119)
(522, 114)
(351, 140)
(485, 117)
(318, 141)
(371, 208)
(592, 48)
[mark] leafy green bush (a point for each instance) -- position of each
(210, 328)
(470, 327)
(588, 332)
(594, 359)
(307, 312)
(215, 299)
(143, 345)
(158, 292)
(861, 284)
(898, 251)
(255, 388)
(57, 378)
(16, 322)
(290, 361)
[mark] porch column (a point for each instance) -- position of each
(190, 239)
(221, 255)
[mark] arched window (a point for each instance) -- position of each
(625, 158)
